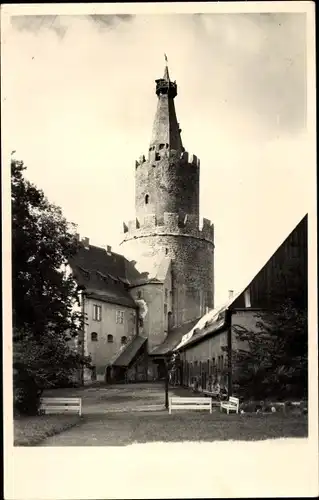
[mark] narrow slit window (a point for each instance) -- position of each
(147, 199)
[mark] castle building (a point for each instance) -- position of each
(165, 282)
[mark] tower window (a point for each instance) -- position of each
(161, 146)
(147, 199)
(166, 251)
(123, 340)
(110, 339)
(94, 337)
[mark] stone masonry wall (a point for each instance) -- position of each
(169, 185)
(192, 271)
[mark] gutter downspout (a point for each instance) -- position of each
(137, 322)
(82, 350)
(228, 318)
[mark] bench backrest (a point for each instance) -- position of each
(233, 400)
(200, 401)
(62, 401)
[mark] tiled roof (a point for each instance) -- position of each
(211, 322)
(104, 275)
(198, 335)
(128, 354)
(98, 259)
(113, 296)
(173, 338)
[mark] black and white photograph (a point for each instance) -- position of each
(159, 250)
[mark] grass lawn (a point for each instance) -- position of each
(121, 429)
(29, 431)
(204, 427)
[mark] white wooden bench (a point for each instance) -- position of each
(177, 403)
(61, 405)
(231, 405)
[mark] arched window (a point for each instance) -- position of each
(94, 337)
(123, 340)
(147, 199)
(110, 338)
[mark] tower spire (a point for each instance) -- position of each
(166, 129)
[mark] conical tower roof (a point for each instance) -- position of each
(166, 129)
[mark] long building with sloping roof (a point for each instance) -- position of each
(204, 349)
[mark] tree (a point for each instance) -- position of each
(44, 295)
(274, 361)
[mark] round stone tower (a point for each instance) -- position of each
(167, 213)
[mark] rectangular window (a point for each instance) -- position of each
(247, 298)
(166, 293)
(97, 312)
(120, 317)
(165, 308)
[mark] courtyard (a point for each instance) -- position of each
(122, 415)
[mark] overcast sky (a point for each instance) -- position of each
(81, 95)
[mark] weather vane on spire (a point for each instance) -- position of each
(165, 57)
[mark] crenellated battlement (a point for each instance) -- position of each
(172, 223)
(159, 152)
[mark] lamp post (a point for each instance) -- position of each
(166, 382)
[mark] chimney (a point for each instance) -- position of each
(230, 294)
(77, 236)
(86, 243)
(108, 249)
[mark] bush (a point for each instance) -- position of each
(27, 394)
